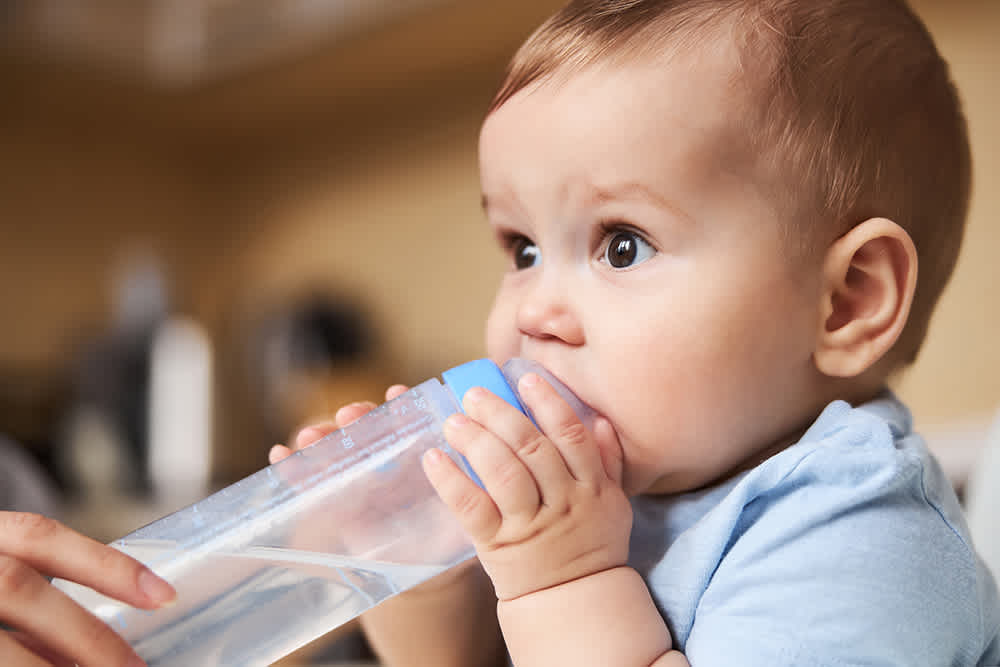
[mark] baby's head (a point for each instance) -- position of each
(714, 211)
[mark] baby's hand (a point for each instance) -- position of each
(379, 517)
(554, 509)
(344, 416)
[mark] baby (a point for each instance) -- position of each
(714, 212)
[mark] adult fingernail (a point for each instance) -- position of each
(157, 590)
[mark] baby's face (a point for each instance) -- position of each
(646, 270)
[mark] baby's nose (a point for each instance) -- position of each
(546, 313)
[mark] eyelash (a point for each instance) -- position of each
(508, 239)
(608, 228)
(605, 230)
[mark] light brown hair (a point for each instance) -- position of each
(850, 112)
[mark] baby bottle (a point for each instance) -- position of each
(279, 558)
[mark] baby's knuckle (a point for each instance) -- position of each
(507, 473)
(558, 508)
(468, 503)
(573, 434)
(531, 446)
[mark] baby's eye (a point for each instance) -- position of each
(626, 248)
(525, 253)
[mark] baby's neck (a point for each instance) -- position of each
(858, 396)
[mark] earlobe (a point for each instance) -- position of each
(869, 276)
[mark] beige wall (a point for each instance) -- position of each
(958, 372)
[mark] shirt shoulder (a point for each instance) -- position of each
(850, 543)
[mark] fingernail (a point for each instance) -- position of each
(155, 589)
(475, 395)
(457, 421)
(530, 380)
(310, 433)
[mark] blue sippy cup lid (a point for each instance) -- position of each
(480, 373)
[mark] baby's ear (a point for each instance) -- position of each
(869, 276)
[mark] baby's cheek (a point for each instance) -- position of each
(501, 332)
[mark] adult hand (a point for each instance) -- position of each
(46, 626)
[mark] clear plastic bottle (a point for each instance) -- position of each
(289, 553)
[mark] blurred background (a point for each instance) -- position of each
(220, 219)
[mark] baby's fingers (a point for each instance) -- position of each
(523, 444)
(472, 506)
(558, 421)
(310, 435)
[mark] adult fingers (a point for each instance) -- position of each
(31, 604)
(37, 649)
(558, 421)
(53, 549)
(14, 653)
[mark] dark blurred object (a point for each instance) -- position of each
(318, 335)
(112, 381)
(33, 403)
(307, 356)
(106, 439)
(24, 485)
(180, 42)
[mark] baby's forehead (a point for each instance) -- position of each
(689, 104)
(670, 127)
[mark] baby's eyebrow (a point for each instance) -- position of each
(504, 198)
(634, 190)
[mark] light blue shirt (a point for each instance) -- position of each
(847, 548)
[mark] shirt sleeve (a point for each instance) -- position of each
(844, 561)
